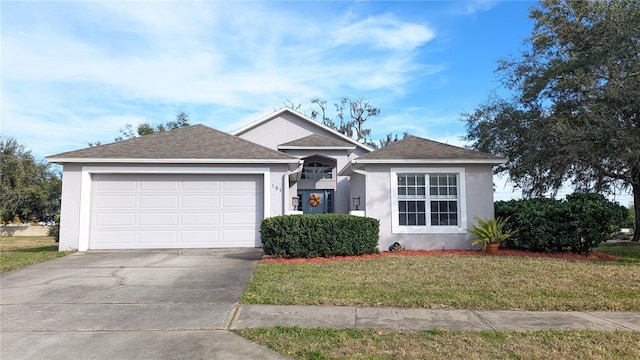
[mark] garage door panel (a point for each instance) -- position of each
(203, 201)
(239, 218)
(200, 236)
(239, 184)
(122, 219)
(115, 202)
(246, 201)
(158, 202)
(152, 185)
(200, 218)
(117, 237)
(193, 183)
(160, 219)
(114, 185)
(238, 238)
(173, 211)
(157, 236)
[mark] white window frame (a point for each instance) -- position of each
(396, 228)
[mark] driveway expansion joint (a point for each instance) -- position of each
(609, 320)
(485, 321)
(234, 315)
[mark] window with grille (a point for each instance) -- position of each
(428, 199)
(316, 170)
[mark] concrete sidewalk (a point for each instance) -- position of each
(340, 317)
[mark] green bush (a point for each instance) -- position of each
(577, 224)
(54, 230)
(322, 235)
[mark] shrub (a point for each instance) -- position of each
(577, 224)
(54, 230)
(490, 231)
(319, 235)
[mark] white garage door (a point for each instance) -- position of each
(175, 211)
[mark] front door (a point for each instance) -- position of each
(316, 201)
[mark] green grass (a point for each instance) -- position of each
(628, 252)
(17, 252)
(440, 344)
(454, 282)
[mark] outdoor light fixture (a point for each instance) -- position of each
(295, 201)
(356, 202)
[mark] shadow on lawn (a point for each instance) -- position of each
(50, 248)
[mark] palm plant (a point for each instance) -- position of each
(490, 231)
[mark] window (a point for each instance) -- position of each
(427, 201)
(316, 170)
(443, 198)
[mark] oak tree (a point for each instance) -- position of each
(575, 111)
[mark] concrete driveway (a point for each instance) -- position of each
(151, 304)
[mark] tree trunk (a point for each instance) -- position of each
(635, 186)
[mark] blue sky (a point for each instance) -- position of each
(76, 72)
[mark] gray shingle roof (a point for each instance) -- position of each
(191, 142)
(315, 140)
(416, 148)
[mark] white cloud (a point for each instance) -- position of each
(473, 7)
(79, 71)
(384, 32)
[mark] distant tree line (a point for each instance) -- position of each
(29, 189)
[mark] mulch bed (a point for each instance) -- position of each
(591, 256)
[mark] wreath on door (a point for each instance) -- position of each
(315, 200)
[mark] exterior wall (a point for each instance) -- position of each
(479, 202)
(70, 207)
(76, 192)
(357, 187)
(288, 127)
(479, 192)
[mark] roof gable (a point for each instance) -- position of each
(416, 148)
(192, 142)
(316, 141)
(321, 128)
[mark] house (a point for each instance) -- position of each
(197, 187)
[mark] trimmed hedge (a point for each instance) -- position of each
(578, 224)
(324, 235)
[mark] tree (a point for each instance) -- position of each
(182, 120)
(350, 118)
(360, 110)
(128, 132)
(29, 190)
(575, 113)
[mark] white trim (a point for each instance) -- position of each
(462, 202)
(84, 230)
(316, 147)
(429, 161)
(303, 117)
(86, 188)
(172, 161)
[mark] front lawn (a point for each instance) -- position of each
(439, 344)
(626, 251)
(453, 282)
(21, 251)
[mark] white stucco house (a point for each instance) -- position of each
(197, 187)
